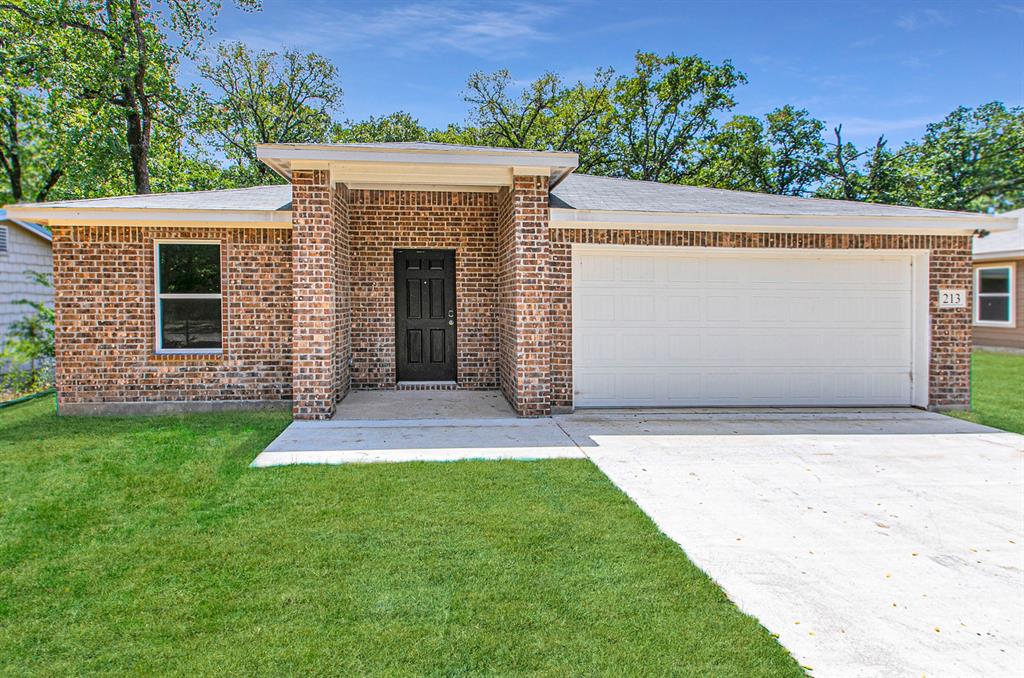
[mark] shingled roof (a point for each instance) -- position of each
(587, 192)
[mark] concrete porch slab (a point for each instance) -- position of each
(391, 405)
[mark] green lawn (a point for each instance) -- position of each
(997, 391)
(146, 546)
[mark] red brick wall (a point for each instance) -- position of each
(949, 266)
(342, 294)
(524, 275)
(106, 331)
(505, 311)
(314, 324)
(383, 221)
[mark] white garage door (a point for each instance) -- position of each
(660, 327)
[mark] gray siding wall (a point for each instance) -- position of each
(25, 252)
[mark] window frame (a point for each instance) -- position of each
(1010, 293)
(158, 297)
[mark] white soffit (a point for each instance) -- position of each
(803, 223)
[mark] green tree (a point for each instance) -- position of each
(264, 97)
(973, 159)
(665, 113)
(49, 135)
(782, 154)
(398, 126)
(872, 174)
(119, 53)
(30, 339)
(546, 115)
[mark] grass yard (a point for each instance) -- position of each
(997, 391)
(146, 546)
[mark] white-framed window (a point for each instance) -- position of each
(188, 296)
(993, 295)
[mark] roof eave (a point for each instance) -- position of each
(999, 256)
(789, 223)
(281, 157)
(86, 216)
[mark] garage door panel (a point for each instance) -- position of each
(633, 307)
(689, 330)
(591, 307)
(682, 309)
(636, 269)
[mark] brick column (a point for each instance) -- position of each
(314, 302)
(949, 264)
(342, 293)
(524, 265)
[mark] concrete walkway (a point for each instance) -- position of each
(873, 542)
(386, 426)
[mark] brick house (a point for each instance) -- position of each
(429, 266)
(999, 288)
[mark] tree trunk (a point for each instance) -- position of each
(138, 150)
(12, 161)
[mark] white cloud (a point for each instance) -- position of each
(859, 126)
(923, 18)
(417, 28)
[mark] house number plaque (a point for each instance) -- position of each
(952, 298)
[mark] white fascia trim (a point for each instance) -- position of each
(1006, 255)
(149, 217)
(788, 223)
(332, 153)
(281, 157)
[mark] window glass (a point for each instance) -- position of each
(190, 323)
(189, 269)
(994, 281)
(994, 309)
(188, 298)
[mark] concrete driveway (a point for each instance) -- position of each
(879, 543)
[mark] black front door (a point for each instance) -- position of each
(425, 314)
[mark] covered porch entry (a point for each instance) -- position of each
(418, 266)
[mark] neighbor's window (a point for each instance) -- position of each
(994, 301)
(188, 297)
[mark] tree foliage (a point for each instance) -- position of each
(546, 115)
(782, 154)
(30, 339)
(664, 114)
(398, 126)
(973, 159)
(264, 97)
(120, 55)
(90, 105)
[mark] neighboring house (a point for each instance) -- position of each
(999, 287)
(429, 266)
(24, 247)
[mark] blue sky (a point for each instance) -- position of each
(876, 67)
